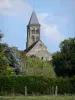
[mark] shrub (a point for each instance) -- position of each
(36, 85)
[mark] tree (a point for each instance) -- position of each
(1, 36)
(34, 66)
(64, 61)
(3, 60)
(13, 57)
(4, 65)
(23, 60)
(2, 46)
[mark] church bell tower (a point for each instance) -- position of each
(33, 30)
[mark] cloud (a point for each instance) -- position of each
(4, 4)
(50, 32)
(19, 8)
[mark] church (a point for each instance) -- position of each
(34, 45)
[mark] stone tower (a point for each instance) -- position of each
(33, 30)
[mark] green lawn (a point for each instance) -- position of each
(37, 98)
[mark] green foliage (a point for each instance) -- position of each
(1, 36)
(13, 57)
(35, 66)
(3, 64)
(36, 85)
(64, 61)
(23, 59)
(3, 60)
(10, 71)
(2, 46)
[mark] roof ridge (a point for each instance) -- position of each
(29, 48)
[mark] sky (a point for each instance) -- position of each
(57, 19)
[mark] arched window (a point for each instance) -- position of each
(33, 31)
(37, 38)
(33, 38)
(37, 31)
(40, 45)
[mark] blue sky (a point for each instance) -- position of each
(57, 19)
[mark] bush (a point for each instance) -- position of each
(35, 66)
(36, 85)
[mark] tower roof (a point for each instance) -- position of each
(33, 19)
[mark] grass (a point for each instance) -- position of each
(37, 98)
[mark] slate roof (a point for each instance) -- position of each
(28, 49)
(33, 19)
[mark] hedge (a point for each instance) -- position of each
(35, 85)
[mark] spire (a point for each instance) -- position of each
(33, 19)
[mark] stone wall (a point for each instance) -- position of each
(40, 50)
(30, 34)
